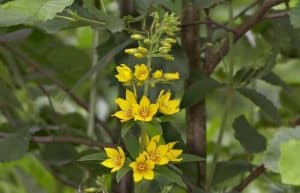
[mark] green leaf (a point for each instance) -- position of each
(295, 15)
(191, 158)
(126, 127)
(198, 91)
(262, 102)
(248, 136)
(93, 157)
(289, 165)
(122, 172)
(14, 146)
(30, 11)
(272, 154)
(132, 145)
(274, 79)
(153, 128)
(170, 175)
(59, 154)
(7, 96)
(229, 169)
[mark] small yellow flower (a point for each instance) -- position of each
(157, 153)
(142, 168)
(116, 158)
(131, 51)
(141, 72)
(145, 110)
(126, 106)
(173, 154)
(124, 73)
(171, 76)
(157, 74)
(167, 106)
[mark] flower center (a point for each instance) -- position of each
(153, 156)
(129, 113)
(141, 166)
(118, 160)
(144, 111)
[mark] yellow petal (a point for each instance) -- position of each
(130, 97)
(163, 161)
(150, 164)
(141, 158)
(162, 149)
(145, 102)
(153, 109)
(109, 163)
(123, 116)
(151, 147)
(121, 152)
(137, 176)
(148, 174)
(133, 165)
(155, 138)
(111, 152)
(123, 104)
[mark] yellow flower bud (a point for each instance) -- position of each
(157, 74)
(138, 55)
(168, 57)
(171, 76)
(137, 37)
(170, 40)
(147, 41)
(131, 51)
(142, 50)
(164, 50)
(166, 44)
(90, 190)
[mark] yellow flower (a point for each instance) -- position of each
(173, 154)
(157, 153)
(157, 74)
(171, 76)
(124, 73)
(126, 106)
(167, 106)
(145, 110)
(116, 158)
(142, 168)
(141, 72)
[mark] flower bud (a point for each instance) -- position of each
(137, 37)
(131, 51)
(170, 40)
(142, 50)
(147, 41)
(168, 57)
(138, 55)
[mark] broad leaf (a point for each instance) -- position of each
(93, 157)
(207, 3)
(121, 173)
(30, 11)
(295, 15)
(289, 165)
(272, 154)
(229, 169)
(248, 136)
(59, 154)
(14, 146)
(262, 102)
(274, 79)
(198, 91)
(170, 175)
(126, 127)
(132, 145)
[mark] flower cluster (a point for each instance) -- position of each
(155, 43)
(144, 165)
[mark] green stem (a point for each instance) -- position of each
(88, 21)
(220, 138)
(143, 138)
(103, 6)
(93, 92)
(147, 83)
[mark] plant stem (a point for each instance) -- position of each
(220, 137)
(93, 92)
(143, 138)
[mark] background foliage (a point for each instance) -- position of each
(45, 82)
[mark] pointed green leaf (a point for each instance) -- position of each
(121, 173)
(262, 102)
(191, 158)
(248, 136)
(93, 157)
